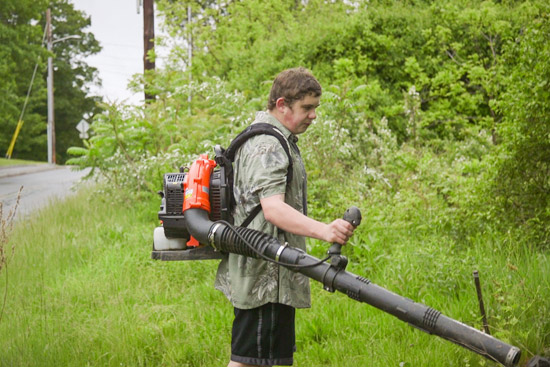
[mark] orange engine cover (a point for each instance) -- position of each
(196, 187)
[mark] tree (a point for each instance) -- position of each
(72, 76)
(449, 51)
(522, 179)
(21, 37)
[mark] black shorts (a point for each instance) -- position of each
(264, 335)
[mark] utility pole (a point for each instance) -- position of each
(49, 82)
(148, 37)
(51, 122)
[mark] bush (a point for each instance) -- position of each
(520, 182)
(133, 146)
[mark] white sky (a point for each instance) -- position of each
(118, 27)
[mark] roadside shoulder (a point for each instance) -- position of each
(9, 171)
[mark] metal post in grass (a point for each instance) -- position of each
(481, 304)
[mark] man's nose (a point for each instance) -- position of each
(313, 114)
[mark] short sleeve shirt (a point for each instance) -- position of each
(260, 171)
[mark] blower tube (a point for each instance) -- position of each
(227, 238)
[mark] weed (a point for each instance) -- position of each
(6, 227)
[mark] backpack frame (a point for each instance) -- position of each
(222, 179)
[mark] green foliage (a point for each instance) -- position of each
(401, 82)
(22, 25)
(133, 146)
(72, 77)
(522, 176)
(16, 162)
(433, 121)
(83, 288)
(21, 37)
(449, 51)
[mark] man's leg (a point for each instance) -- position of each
(263, 336)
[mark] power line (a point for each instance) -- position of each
(20, 122)
(32, 79)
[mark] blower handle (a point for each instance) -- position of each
(352, 216)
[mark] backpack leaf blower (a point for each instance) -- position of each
(196, 225)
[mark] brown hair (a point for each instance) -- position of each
(293, 85)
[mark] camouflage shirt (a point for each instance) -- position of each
(260, 171)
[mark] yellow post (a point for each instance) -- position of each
(15, 134)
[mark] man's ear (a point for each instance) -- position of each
(280, 104)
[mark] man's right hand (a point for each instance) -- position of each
(338, 231)
(282, 215)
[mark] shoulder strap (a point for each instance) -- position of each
(259, 129)
(228, 155)
(252, 215)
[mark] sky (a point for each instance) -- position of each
(118, 27)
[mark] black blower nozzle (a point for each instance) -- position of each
(224, 237)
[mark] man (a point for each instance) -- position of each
(265, 295)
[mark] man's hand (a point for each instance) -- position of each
(282, 215)
(338, 231)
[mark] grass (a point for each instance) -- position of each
(83, 291)
(17, 162)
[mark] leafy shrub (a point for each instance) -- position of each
(520, 183)
(133, 146)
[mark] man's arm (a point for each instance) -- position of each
(285, 217)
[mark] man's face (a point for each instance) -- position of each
(302, 113)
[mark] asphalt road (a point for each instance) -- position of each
(41, 184)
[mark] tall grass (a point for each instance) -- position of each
(83, 291)
(7, 246)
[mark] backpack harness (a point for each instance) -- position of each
(225, 158)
